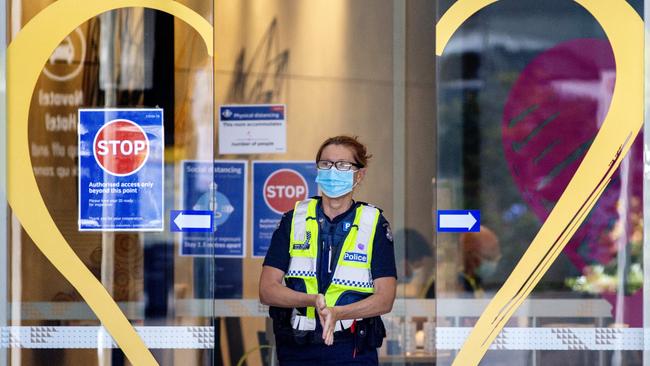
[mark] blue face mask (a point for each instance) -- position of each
(486, 269)
(335, 183)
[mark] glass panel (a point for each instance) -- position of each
(522, 92)
(4, 311)
(342, 67)
(123, 167)
(646, 190)
(333, 67)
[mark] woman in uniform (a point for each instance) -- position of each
(330, 271)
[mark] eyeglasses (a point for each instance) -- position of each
(341, 165)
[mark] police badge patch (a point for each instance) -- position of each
(389, 233)
(305, 245)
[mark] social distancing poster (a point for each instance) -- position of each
(218, 187)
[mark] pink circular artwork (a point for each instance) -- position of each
(550, 119)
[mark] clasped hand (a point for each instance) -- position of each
(328, 318)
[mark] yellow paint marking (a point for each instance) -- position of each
(624, 29)
(27, 54)
(455, 16)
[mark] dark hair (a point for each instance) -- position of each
(417, 246)
(359, 150)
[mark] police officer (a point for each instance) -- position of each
(336, 259)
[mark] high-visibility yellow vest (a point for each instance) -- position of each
(352, 271)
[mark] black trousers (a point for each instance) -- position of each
(340, 353)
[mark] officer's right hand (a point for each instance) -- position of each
(328, 321)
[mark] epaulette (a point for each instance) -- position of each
(369, 205)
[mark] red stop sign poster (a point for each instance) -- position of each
(121, 169)
(277, 186)
(283, 188)
(121, 147)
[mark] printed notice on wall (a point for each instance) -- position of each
(252, 129)
(121, 169)
(218, 187)
(277, 186)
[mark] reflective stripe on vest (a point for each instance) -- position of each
(303, 249)
(353, 267)
(299, 220)
(300, 322)
(352, 271)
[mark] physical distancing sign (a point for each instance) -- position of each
(252, 129)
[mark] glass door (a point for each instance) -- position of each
(524, 89)
(139, 219)
(111, 243)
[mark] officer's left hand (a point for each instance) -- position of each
(330, 318)
(320, 302)
(320, 305)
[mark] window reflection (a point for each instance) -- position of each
(519, 104)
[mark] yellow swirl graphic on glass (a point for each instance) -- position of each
(624, 29)
(27, 54)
